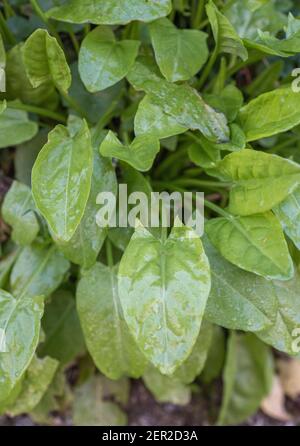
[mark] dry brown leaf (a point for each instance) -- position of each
(289, 372)
(273, 404)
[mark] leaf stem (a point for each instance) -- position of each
(201, 183)
(9, 12)
(6, 31)
(197, 16)
(74, 41)
(74, 104)
(217, 209)
(208, 68)
(171, 159)
(40, 13)
(38, 111)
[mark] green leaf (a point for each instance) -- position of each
(226, 38)
(103, 61)
(63, 336)
(38, 271)
(15, 127)
(55, 399)
(204, 153)
(151, 119)
(229, 101)
(140, 154)
(283, 334)
(6, 264)
(166, 389)
(248, 377)
(18, 211)
(20, 327)
(194, 364)
(270, 44)
(249, 16)
(19, 87)
(248, 242)
(180, 54)
(109, 12)
(61, 179)
(45, 61)
(238, 300)
(270, 113)
(90, 409)
(106, 333)
(101, 105)
(25, 156)
(261, 180)
(215, 358)
(288, 213)
(164, 286)
(181, 102)
(84, 246)
(37, 379)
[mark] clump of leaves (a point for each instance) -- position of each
(180, 95)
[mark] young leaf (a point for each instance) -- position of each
(18, 211)
(37, 379)
(164, 286)
(38, 271)
(110, 12)
(140, 154)
(248, 377)
(61, 179)
(270, 113)
(84, 246)
(151, 119)
(45, 61)
(226, 38)
(261, 180)
(103, 61)
(106, 334)
(91, 409)
(181, 102)
(15, 127)
(20, 328)
(288, 213)
(248, 242)
(180, 54)
(63, 335)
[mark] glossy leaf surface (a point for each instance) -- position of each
(105, 330)
(170, 280)
(18, 211)
(20, 328)
(61, 179)
(248, 242)
(103, 61)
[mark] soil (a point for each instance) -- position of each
(143, 410)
